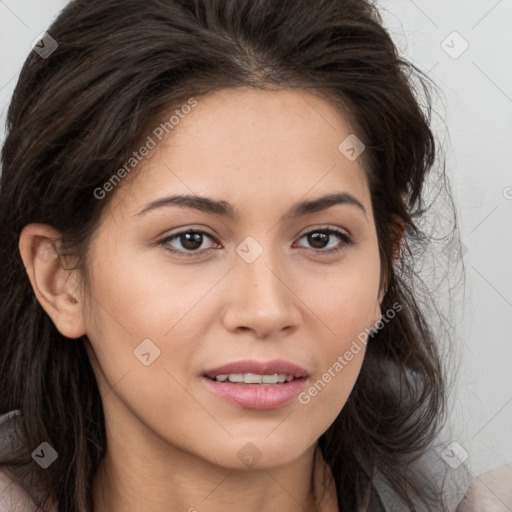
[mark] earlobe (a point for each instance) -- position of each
(55, 286)
(398, 236)
(378, 313)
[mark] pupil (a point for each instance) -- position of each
(318, 240)
(192, 240)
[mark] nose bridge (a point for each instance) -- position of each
(259, 268)
(261, 299)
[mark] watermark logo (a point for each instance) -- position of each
(44, 455)
(454, 45)
(249, 250)
(452, 253)
(44, 45)
(454, 455)
(47, 251)
(249, 455)
(352, 147)
(146, 352)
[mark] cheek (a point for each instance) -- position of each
(335, 377)
(345, 309)
(145, 325)
(330, 387)
(148, 298)
(142, 349)
(343, 300)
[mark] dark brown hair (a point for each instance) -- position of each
(75, 118)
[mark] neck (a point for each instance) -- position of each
(141, 471)
(122, 488)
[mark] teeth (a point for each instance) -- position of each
(253, 378)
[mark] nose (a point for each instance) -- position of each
(260, 298)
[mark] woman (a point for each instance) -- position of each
(208, 234)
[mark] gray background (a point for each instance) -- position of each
(476, 116)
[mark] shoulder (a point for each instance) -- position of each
(490, 491)
(9, 430)
(12, 497)
(445, 485)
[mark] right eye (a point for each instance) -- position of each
(190, 240)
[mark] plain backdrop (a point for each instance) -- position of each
(465, 47)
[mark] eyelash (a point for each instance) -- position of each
(346, 241)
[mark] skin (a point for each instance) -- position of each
(172, 444)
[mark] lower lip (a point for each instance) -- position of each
(256, 396)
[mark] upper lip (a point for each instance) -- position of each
(258, 367)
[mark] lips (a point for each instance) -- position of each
(258, 396)
(276, 366)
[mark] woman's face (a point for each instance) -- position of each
(255, 283)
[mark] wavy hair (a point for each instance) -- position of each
(79, 113)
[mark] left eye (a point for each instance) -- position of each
(192, 240)
(318, 237)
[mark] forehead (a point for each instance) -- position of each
(246, 145)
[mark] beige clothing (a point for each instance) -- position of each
(489, 492)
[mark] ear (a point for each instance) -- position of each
(55, 287)
(398, 232)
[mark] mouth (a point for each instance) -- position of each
(257, 385)
(253, 378)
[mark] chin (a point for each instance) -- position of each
(261, 452)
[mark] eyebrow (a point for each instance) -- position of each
(225, 209)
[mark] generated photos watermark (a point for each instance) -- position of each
(343, 360)
(151, 142)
